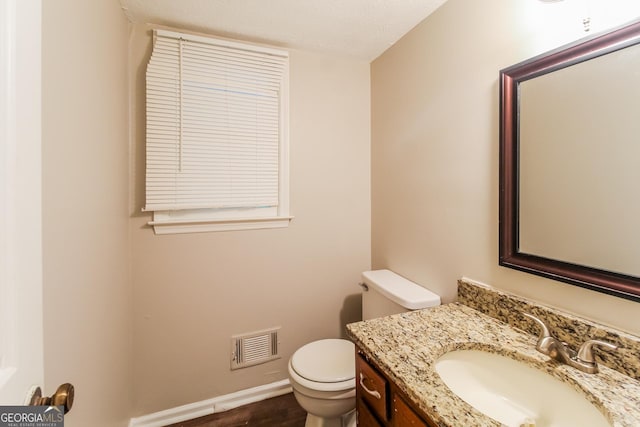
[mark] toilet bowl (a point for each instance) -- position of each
(322, 373)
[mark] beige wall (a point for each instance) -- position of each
(435, 152)
(87, 291)
(193, 292)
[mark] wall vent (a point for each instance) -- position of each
(254, 348)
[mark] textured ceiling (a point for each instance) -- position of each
(356, 28)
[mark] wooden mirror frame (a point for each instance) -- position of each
(608, 282)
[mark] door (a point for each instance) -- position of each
(21, 339)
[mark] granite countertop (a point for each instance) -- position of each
(406, 347)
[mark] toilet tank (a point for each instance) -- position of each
(386, 293)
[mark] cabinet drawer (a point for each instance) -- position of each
(372, 387)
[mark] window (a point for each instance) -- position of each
(217, 135)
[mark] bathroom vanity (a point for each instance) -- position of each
(396, 358)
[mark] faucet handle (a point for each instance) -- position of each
(585, 354)
(546, 341)
(544, 329)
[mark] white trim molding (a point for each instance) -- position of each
(212, 406)
(205, 225)
(21, 339)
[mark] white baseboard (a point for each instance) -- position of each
(212, 406)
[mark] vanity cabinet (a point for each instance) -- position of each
(379, 402)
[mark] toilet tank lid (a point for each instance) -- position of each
(404, 292)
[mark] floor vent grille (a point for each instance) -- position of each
(254, 348)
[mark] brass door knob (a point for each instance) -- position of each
(62, 397)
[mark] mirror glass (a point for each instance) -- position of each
(570, 164)
(579, 166)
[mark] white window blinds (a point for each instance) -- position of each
(214, 123)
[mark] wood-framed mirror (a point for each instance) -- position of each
(570, 164)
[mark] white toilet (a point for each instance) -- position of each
(322, 373)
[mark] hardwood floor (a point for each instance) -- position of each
(281, 411)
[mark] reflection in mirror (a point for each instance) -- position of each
(570, 164)
(580, 163)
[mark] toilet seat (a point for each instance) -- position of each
(324, 365)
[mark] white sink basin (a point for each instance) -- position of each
(514, 393)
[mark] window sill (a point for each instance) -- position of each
(208, 225)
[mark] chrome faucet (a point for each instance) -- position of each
(583, 359)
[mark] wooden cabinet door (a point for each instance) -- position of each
(404, 416)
